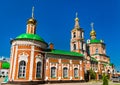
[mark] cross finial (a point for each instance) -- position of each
(33, 12)
(92, 25)
(76, 14)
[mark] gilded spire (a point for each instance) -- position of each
(92, 33)
(32, 20)
(77, 21)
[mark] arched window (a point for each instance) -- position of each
(38, 70)
(65, 72)
(74, 35)
(97, 51)
(53, 72)
(75, 72)
(22, 69)
(74, 46)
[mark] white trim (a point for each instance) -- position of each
(67, 71)
(39, 59)
(53, 65)
(12, 52)
(14, 67)
(23, 56)
(19, 68)
(31, 63)
(29, 42)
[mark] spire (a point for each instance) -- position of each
(77, 21)
(92, 33)
(31, 24)
(92, 25)
(33, 12)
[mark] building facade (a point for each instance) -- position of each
(32, 59)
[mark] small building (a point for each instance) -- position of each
(4, 66)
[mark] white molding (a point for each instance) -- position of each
(59, 78)
(31, 63)
(14, 67)
(29, 42)
(23, 56)
(70, 77)
(46, 78)
(12, 52)
(39, 58)
(81, 78)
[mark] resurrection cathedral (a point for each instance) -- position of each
(34, 60)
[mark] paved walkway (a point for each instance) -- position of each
(78, 83)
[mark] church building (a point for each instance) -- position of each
(34, 60)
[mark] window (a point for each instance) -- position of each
(65, 72)
(75, 72)
(74, 35)
(22, 69)
(53, 72)
(74, 46)
(97, 51)
(2, 72)
(38, 70)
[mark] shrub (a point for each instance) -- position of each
(105, 79)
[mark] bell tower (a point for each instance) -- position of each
(77, 43)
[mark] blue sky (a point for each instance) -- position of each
(56, 20)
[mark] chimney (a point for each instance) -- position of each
(51, 46)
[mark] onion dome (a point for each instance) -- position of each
(32, 21)
(93, 33)
(76, 19)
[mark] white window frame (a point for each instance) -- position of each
(22, 70)
(66, 71)
(40, 70)
(76, 76)
(54, 73)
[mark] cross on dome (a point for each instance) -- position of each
(33, 12)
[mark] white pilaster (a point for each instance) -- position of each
(12, 51)
(31, 63)
(14, 66)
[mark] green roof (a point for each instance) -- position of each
(66, 53)
(30, 36)
(5, 65)
(95, 41)
(93, 59)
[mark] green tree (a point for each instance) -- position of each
(105, 79)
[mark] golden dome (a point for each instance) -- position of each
(93, 33)
(76, 19)
(31, 21)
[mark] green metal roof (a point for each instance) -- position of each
(95, 41)
(93, 59)
(30, 36)
(66, 53)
